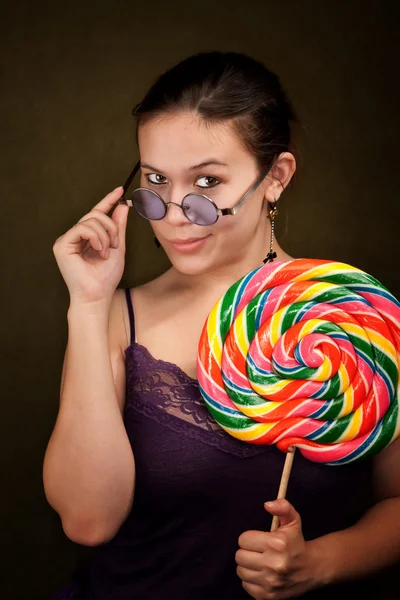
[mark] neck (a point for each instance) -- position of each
(216, 281)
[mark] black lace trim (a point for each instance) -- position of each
(162, 391)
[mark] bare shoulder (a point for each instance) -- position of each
(167, 323)
(386, 464)
(143, 298)
(150, 302)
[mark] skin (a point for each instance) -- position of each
(273, 565)
(184, 295)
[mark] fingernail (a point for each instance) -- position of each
(118, 188)
(270, 504)
(116, 241)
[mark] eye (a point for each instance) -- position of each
(159, 179)
(209, 182)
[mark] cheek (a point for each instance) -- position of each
(241, 226)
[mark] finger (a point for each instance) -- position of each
(277, 542)
(116, 223)
(289, 590)
(102, 233)
(274, 562)
(107, 222)
(83, 231)
(106, 204)
(270, 579)
(285, 511)
(249, 576)
(254, 590)
(252, 540)
(250, 560)
(267, 581)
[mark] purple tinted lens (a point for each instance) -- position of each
(199, 210)
(148, 204)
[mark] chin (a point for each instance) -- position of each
(191, 265)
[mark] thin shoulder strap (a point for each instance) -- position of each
(130, 311)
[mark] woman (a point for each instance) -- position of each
(135, 463)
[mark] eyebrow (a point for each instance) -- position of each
(206, 163)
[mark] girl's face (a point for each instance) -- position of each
(179, 155)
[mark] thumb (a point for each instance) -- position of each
(285, 511)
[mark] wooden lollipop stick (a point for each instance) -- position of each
(287, 467)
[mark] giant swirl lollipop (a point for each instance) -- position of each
(305, 354)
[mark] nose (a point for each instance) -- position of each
(175, 215)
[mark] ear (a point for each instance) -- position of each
(280, 176)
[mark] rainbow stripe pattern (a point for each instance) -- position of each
(305, 353)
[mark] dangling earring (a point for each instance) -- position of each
(272, 213)
(157, 243)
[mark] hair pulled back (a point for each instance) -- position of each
(226, 87)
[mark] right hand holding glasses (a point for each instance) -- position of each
(91, 255)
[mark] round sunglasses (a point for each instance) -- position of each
(198, 208)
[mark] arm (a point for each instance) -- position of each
(281, 564)
(374, 542)
(89, 467)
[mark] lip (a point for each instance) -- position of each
(189, 245)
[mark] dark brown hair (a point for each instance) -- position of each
(226, 86)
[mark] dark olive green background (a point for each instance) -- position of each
(70, 74)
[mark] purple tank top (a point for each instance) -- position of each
(197, 489)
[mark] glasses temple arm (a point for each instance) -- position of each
(234, 210)
(131, 176)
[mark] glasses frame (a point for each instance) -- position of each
(220, 212)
